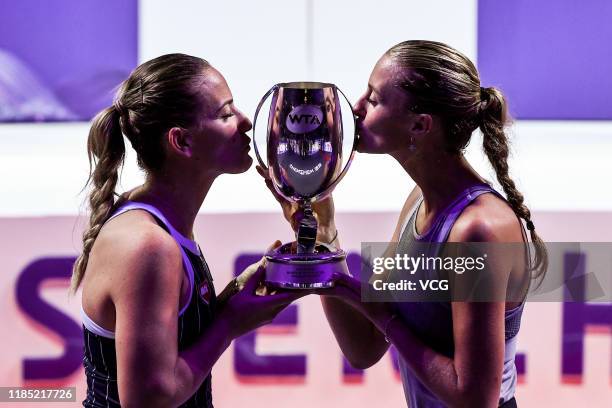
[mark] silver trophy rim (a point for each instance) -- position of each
(309, 85)
(306, 85)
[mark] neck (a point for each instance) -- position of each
(441, 176)
(178, 198)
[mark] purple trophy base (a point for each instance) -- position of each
(287, 269)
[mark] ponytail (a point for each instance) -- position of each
(493, 117)
(158, 95)
(443, 81)
(106, 151)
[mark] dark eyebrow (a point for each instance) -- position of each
(228, 102)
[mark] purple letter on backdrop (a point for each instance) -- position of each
(576, 316)
(30, 302)
(247, 363)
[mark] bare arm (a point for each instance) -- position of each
(151, 371)
(472, 376)
(362, 343)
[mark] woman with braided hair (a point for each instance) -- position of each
(422, 104)
(153, 325)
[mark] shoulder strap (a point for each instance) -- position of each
(409, 218)
(180, 238)
(463, 201)
(183, 241)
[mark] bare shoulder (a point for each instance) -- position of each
(487, 219)
(133, 249)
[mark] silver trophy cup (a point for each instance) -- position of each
(306, 153)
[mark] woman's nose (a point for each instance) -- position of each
(245, 124)
(359, 108)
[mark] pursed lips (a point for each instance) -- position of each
(247, 144)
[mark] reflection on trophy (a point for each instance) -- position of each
(306, 155)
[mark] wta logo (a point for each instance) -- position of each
(304, 119)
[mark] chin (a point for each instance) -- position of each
(362, 148)
(244, 166)
(248, 163)
(368, 148)
(367, 144)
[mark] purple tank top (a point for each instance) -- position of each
(432, 322)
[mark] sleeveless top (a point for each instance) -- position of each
(99, 357)
(432, 322)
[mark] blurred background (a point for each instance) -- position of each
(61, 61)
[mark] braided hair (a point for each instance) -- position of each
(159, 94)
(442, 81)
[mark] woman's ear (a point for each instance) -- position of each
(180, 141)
(421, 124)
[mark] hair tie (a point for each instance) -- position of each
(482, 105)
(530, 225)
(484, 95)
(118, 107)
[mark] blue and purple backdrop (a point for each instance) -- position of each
(62, 60)
(552, 59)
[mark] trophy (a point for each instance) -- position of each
(306, 154)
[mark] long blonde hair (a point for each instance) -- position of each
(442, 81)
(158, 95)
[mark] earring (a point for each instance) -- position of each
(411, 146)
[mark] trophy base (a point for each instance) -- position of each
(287, 269)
